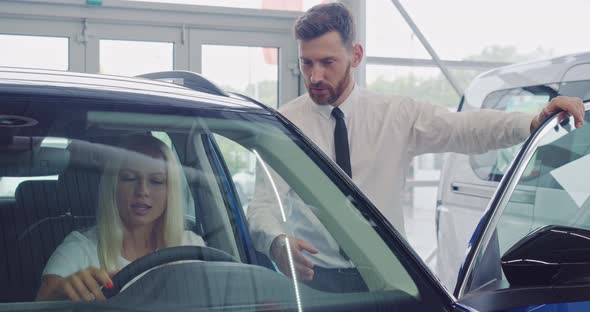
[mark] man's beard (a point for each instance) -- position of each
(333, 93)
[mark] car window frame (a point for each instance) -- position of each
(486, 227)
(231, 199)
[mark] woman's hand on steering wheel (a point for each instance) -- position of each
(86, 285)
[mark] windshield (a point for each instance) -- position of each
(123, 180)
(552, 190)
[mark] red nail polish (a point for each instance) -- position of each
(109, 285)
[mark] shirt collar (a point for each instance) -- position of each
(347, 106)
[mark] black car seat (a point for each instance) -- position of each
(45, 212)
(32, 222)
(41, 223)
(78, 183)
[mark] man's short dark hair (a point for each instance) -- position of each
(324, 18)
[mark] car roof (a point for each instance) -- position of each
(27, 80)
(532, 73)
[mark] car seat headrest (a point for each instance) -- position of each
(34, 160)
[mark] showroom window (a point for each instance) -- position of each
(465, 31)
(397, 63)
(254, 70)
(131, 58)
(34, 52)
(421, 83)
(287, 5)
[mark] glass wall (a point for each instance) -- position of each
(251, 71)
(421, 83)
(131, 58)
(499, 31)
(470, 37)
(287, 5)
(34, 52)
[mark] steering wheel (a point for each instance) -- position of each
(164, 256)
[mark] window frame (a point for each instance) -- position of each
(484, 237)
(188, 27)
(231, 199)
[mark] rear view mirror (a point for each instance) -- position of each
(551, 255)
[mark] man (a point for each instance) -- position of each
(381, 135)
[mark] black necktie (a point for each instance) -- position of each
(341, 142)
(342, 152)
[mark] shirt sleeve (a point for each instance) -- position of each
(192, 239)
(434, 129)
(265, 218)
(69, 257)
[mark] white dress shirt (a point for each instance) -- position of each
(384, 134)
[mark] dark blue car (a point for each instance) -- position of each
(59, 131)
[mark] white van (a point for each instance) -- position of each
(469, 181)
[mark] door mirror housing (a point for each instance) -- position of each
(551, 255)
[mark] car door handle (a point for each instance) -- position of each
(472, 189)
(519, 195)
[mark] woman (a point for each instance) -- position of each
(140, 210)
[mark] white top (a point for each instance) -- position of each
(384, 134)
(79, 251)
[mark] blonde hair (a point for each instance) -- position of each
(170, 226)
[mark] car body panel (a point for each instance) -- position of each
(522, 75)
(561, 307)
(61, 82)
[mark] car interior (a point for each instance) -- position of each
(57, 164)
(50, 168)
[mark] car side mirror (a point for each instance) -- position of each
(551, 255)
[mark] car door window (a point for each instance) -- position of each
(552, 190)
(492, 165)
(9, 184)
(241, 164)
(190, 208)
(579, 89)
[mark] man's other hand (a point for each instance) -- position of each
(567, 105)
(279, 254)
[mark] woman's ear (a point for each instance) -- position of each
(357, 55)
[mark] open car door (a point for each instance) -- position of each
(531, 250)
